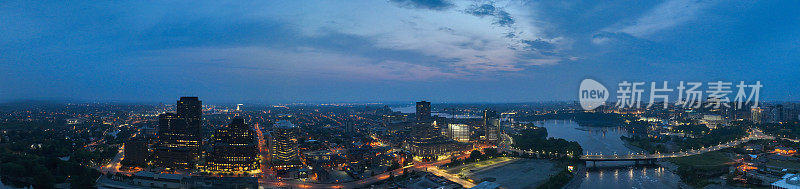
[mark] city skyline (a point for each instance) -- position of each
(453, 94)
(392, 51)
(189, 145)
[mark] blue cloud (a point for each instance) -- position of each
(424, 4)
(541, 46)
(290, 51)
(501, 17)
(504, 19)
(482, 10)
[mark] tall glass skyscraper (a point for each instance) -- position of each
(190, 109)
(423, 111)
(179, 135)
(283, 145)
(491, 126)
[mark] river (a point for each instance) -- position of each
(603, 140)
(606, 140)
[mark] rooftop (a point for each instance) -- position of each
(788, 181)
(487, 185)
(152, 175)
(284, 124)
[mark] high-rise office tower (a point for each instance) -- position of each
(179, 135)
(283, 145)
(168, 126)
(423, 131)
(487, 115)
(756, 115)
(234, 149)
(170, 151)
(780, 113)
(491, 125)
(423, 111)
(190, 109)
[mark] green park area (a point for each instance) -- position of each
(784, 164)
(696, 170)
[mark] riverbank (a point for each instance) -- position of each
(702, 169)
(633, 147)
(577, 180)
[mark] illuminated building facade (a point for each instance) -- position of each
(283, 145)
(756, 115)
(458, 132)
(426, 140)
(319, 158)
(179, 135)
(491, 126)
(234, 149)
(785, 151)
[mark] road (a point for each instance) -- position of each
(113, 166)
(434, 169)
(266, 172)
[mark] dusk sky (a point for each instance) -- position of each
(387, 51)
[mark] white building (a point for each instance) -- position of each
(711, 121)
(788, 181)
(459, 132)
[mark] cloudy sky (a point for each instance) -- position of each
(382, 51)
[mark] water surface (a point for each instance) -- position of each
(606, 140)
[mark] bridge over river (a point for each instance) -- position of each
(754, 134)
(506, 144)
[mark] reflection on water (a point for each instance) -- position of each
(606, 140)
(630, 177)
(594, 140)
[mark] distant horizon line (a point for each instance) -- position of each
(410, 102)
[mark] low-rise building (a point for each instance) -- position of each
(788, 181)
